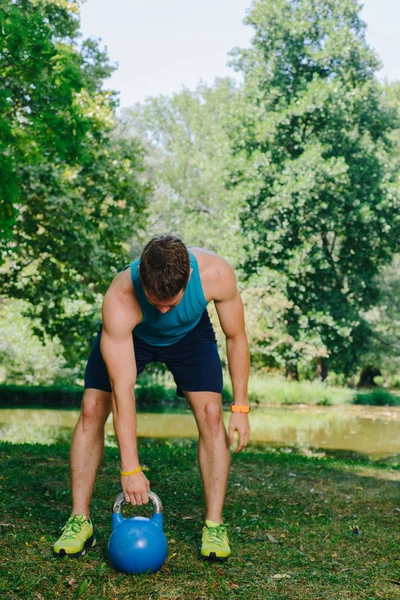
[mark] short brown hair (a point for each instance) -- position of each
(165, 266)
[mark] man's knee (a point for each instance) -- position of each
(96, 407)
(210, 419)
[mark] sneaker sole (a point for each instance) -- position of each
(90, 543)
(213, 557)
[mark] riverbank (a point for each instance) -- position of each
(159, 391)
(301, 527)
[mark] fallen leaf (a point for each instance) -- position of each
(281, 576)
(271, 538)
(83, 587)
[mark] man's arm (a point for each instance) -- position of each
(121, 313)
(231, 315)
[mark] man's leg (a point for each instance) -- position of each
(213, 450)
(214, 462)
(87, 448)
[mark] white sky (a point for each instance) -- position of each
(162, 45)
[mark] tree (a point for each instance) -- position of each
(312, 143)
(24, 358)
(384, 320)
(188, 155)
(72, 195)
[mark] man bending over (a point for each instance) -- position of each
(155, 311)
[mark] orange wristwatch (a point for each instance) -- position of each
(244, 408)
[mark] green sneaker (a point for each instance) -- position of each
(77, 536)
(215, 542)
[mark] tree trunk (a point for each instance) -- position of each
(292, 373)
(322, 369)
(367, 376)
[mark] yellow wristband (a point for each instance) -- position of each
(127, 473)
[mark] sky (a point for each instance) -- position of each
(161, 46)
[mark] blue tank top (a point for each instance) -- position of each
(160, 329)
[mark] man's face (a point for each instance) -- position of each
(164, 306)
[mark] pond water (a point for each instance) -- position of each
(374, 431)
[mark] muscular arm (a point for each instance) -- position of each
(121, 313)
(231, 315)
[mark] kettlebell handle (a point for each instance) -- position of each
(120, 500)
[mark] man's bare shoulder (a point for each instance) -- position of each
(208, 259)
(216, 274)
(120, 305)
(121, 286)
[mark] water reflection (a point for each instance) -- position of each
(374, 431)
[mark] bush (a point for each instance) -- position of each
(154, 393)
(40, 396)
(393, 381)
(378, 397)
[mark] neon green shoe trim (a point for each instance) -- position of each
(77, 536)
(215, 541)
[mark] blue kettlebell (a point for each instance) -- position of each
(138, 544)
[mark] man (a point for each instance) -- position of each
(155, 311)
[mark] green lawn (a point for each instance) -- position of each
(300, 527)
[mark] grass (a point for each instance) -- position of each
(263, 389)
(301, 527)
(277, 390)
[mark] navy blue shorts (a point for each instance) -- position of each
(193, 361)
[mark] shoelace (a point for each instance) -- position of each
(216, 535)
(72, 527)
